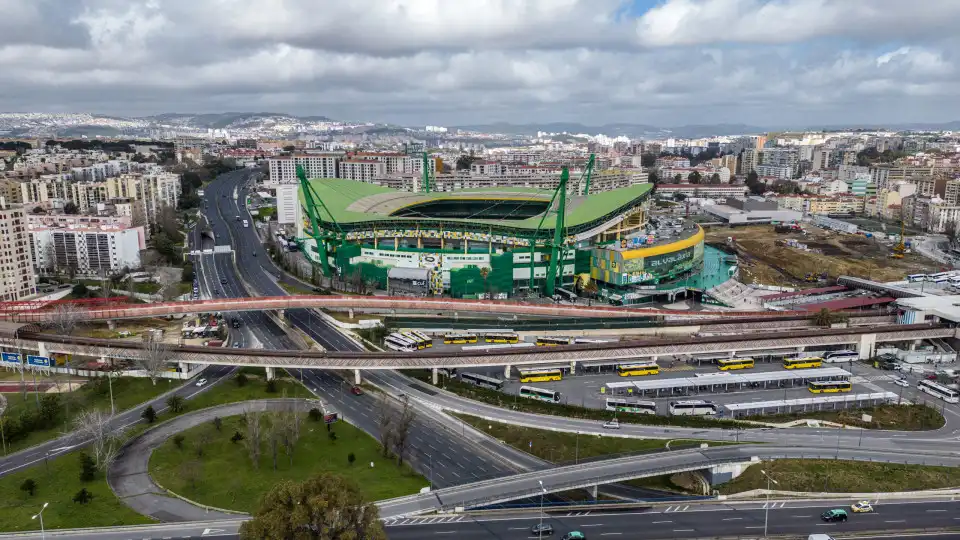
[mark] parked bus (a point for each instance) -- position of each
(634, 407)
(458, 338)
(482, 380)
(540, 393)
(501, 337)
(633, 370)
(916, 278)
(841, 356)
(692, 407)
(829, 387)
(422, 337)
(553, 341)
(803, 363)
(938, 390)
(420, 343)
(938, 275)
(581, 341)
(540, 375)
(398, 343)
(728, 364)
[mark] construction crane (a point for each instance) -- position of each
(555, 268)
(312, 200)
(584, 180)
(901, 247)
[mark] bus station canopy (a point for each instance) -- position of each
(788, 403)
(727, 378)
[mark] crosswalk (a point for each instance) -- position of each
(677, 508)
(401, 522)
(860, 379)
(774, 504)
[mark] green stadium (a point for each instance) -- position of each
(485, 243)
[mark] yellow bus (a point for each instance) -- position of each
(422, 338)
(827, 387)
(419, 342)
(735, 363)
(630, 370)
(501, 337)
(553, 341)
(540, 375)
(802, 363)
(459, 338)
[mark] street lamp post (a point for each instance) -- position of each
(766, 510)
(543, 490)
(43, 533)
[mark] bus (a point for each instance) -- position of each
(803, 363)
(399, 343)
(540, 393)
(552, 341)
(916, 278)
(828, 387)
(631, 370)
(422, 337)
(939, 275)
(955, 280)
(692, 407)
(458, 338)
(727, 364)
(540, 375)
(420, 343)
(482, 380)
(841, 356)
(582, 341)
(938, 390)
(630, 406)
(501, 337)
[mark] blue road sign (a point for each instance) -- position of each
(41, 361)
(10, 357)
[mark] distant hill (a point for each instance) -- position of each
(629, 130)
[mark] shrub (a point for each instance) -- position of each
(237, 437)
(88, 467)
(149, 414)
(315, 414)
(242, 379)
(83, 496)
(351, 458)
(272, 386)
(178, 441)
(29, 485)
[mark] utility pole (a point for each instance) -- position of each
(766, 507)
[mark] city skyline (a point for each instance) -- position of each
(668, 63)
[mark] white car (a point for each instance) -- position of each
(862, 506)
(901, 382)
(612, 424)
(201, 382)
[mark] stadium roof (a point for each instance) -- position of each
(353, 203)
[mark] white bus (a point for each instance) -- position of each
(938, 390)
(581, 341)
(631, 406)
(693, 407)
(938, 275)
(540, 393)
(916, 278)
(841, 356)
(955, 280)
(482, 380)
(399, 343)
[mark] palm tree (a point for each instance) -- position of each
(484, 272)
(823, 317)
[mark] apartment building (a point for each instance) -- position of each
(780, 157)
(17, 278)
(283, 170)
(820, 159)
(772, 171)
(87, 250)
(821, 204)
(46, 189)
(749, 161)
(940, 214)
(706, 191)
(363, 170)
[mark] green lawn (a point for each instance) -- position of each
(57, 483)
(225, 477)
(844, 477)
(148, 287)
(127, 392)
(558, 446)
(894, 417)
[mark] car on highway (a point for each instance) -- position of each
(831, 516)
(355, 390)
(574, 535)
(861, 507)
(542, 529)
(201, 382)
(612, 424)
(931, 377)
(236, 344)
(900, 381)
(223, 281)
(254, 253)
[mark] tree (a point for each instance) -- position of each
(241, 379)
(106, 439)
(823, 317)
(752, 177)
(677, 178)
(153, 358)
(694, 177)
(80, 291)
(187, 275)
(385, 418)
(88, 468)
(465, 161)
(326, 506)
(83, 496)
(315, 414)
(65, 318)
(30, 486)
(653, 177)
(715, 178)
(237, 437)
(178, 441)
(648, 160)
(176, 403)
(217, 423)
(71, 208)
(951, 231)
(401, 428)
(271, 386)
(149, 414)
(350, 458)
(254, 436)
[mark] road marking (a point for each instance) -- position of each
(801, 516)
(610, 534)
(683, 530)
(656, 522)
(896, 521)
(593, 525)
(731, 519)
(936, 510)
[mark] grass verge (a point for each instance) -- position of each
(507, 401)
(202, 478)
(844, 476)
(894, 417)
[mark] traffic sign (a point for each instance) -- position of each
(331, 418)
(10, 357)
(41, 361)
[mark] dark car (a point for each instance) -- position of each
(355, 390)
(542, 529)
(223, 281)
(831, 516)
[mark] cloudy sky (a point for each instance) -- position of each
(448, 62)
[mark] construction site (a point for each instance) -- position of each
(811, 256)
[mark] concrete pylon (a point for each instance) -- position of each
(356, 376)
(270, 374)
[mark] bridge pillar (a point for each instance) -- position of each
(42, 349)
(270, 374)
(868, 343)
(436, 376)
(593, 492)
(914, 345)
(573, 367)
(185, 367)
(112, 324)
(281, 314)
(506, 371)
(350, 313)
(356, 376)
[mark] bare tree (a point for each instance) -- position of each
(65, 318)
(401, 428)
(289, 421)
(385, 418)
(275, 436)
(105, 440)
(191, 471)
(50, 258)
(106, 286)
(130, 285)
(254, 436)
(153, 358)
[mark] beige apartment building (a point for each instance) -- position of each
(17, 278)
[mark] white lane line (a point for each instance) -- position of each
(657, 522)
(731, 519)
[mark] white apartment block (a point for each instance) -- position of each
(17, 278)
(364, 170)
(771, 171)
(45, 189)
(283, 170)
(88, 250)
(288, 203)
